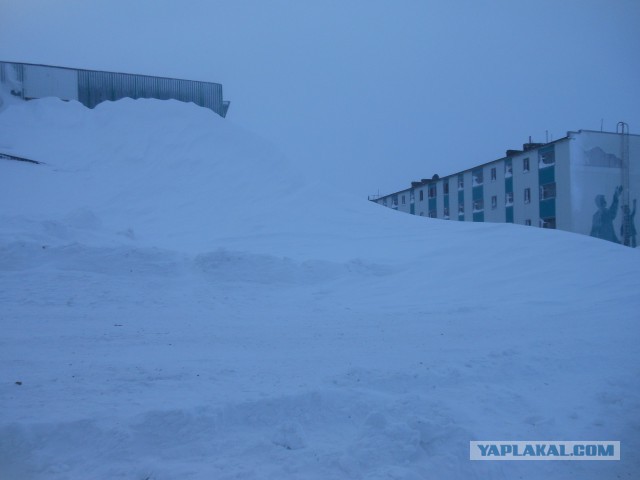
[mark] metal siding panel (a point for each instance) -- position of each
(166, 88)
(94, 87)
(508, 184)
(546, 175)
(509, 214)
(548, 208)
(83, 88)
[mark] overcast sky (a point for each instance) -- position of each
(367, 95)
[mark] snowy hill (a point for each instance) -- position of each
(180, 301)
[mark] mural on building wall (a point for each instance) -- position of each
(600, 175)
(602, 223)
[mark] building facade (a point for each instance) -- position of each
(91, 87)
(586, 182)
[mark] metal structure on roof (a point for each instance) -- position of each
(91, 87)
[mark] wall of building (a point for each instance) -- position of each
(564, 216)
(404, 201)
(596, 171)
(453, 197)
(494, 192)
(467, 199)
(421, 201)
(525, 188)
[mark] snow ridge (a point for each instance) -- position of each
(178, 301)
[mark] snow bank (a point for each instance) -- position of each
(155, 170)
(179, 301)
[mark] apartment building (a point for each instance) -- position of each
(586, 182)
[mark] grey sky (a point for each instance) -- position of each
(365, 95)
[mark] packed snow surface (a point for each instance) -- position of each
(179, 301)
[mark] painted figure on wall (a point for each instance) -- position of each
(628, 227)
(602, 225)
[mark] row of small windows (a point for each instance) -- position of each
(478, 175)
(547, 192)
(433, 191)
(546, 159)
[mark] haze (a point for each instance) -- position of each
(365, 95)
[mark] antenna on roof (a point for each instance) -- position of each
(546, 133)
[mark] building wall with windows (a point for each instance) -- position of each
(571, 184)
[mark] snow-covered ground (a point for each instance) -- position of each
(179, 301)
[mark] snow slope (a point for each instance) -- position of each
(179, 301)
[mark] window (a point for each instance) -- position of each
(547, 191)
(478, 206)
(403, 200)
(527, 222)
(494, 174)
(432, 191)
(395, 200)
(421, 195)
(546, 159)
(460, 182)
(445, 187)
(508, 199)
(549, 222)
(527, 195)
(525, 165)
(433, 214)
(494, 202)
(412, 196)
(446, 212)
(508, 169)
(384, 202)
(461, 209)
(477, 177)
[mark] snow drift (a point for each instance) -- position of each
(180, 301)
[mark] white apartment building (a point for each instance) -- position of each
(586, 182)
